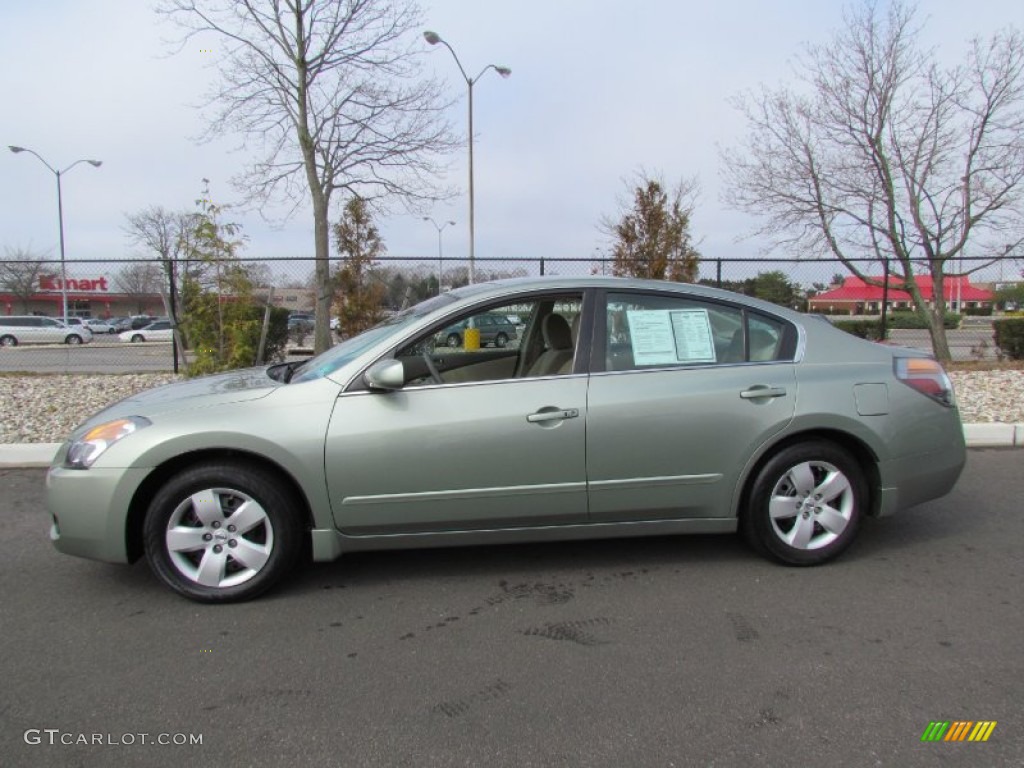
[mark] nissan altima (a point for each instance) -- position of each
(628, 408)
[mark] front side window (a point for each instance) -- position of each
(657, 331)
(523, 338)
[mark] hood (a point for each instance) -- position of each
(203, 392)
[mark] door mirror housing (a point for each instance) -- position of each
(385, 375)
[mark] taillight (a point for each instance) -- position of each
(926, 376)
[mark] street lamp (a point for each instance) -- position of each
(433, 38)
(440, 258)
(60, 219)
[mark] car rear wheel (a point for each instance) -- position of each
(500, 340)
(222, 532)
(138, 337)
(806, 504)
(453, 340)
(8, 341)
(73, 339)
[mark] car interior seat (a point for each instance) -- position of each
(558, 349)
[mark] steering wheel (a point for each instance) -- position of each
(435, 374)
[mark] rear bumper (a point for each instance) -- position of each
(912, 480)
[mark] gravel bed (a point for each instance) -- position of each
(44, 409)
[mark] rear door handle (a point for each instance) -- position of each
(759, 391)
(553, 415)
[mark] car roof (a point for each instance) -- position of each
(500, 288)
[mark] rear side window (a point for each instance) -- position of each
(766, 338)
(658, 331)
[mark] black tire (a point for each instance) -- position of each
(73, 338)
(501, 340)
(137, 338)
(8, 341)
(453, 340)
(250, 560)
(826, 490)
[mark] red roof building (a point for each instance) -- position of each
(857, 297)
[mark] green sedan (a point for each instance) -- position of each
(628, 408)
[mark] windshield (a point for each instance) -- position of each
(341, 354)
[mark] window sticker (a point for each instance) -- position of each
(670, 336)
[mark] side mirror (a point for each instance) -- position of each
(385, 375)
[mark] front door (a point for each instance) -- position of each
(461, 457)
(487, 439)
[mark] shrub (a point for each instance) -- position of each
(914, 321)
(229, 337)
(1009, 336)
(978, 311)
(864, 329)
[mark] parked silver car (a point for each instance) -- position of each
(661, 408)
(35, 329)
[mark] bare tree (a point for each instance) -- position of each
(140, 280)
(879, 155)
(20, 271)
(332, 93)
(168, 235)
(651, 239)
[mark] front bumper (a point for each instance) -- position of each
(89, 510)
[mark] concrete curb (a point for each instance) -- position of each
(24, 455)
(28, 455)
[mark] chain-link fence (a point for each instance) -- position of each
(125, 303)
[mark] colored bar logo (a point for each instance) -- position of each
(958, 730)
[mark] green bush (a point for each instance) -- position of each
(864, 329)
(914, 321)
(228, 337)
(1009, 336)
(978, 311)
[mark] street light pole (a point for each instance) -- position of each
(440, 257)
(60, 219)
(433, 38)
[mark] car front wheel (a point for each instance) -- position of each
(806, 504)
(138, 337)
(222, 532)
(454, 340)
(8, 341)
(500, 340)
(73, 339)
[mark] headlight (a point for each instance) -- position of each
(90, 446)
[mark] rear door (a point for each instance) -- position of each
(690, 389)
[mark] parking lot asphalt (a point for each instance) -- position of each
(682, 651)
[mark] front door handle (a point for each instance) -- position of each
(759, 391)
(554, 414)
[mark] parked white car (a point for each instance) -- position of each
(34, 329)
(158, 331)
(97, 325)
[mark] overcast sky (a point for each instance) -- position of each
(598, 90)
